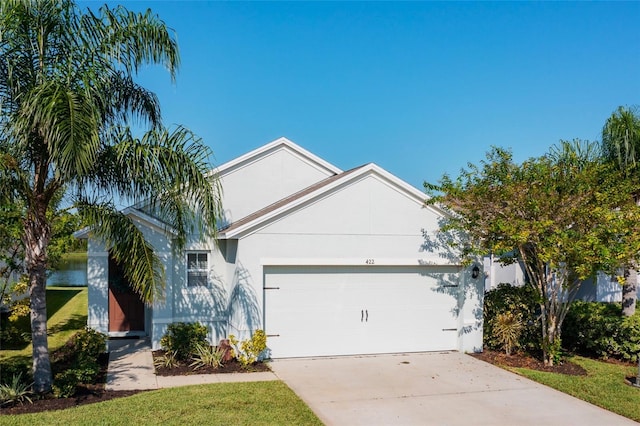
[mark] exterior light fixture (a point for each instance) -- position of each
(475, 272)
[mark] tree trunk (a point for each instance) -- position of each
(36, 239)
(629, 291)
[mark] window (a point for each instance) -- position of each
(197, 269)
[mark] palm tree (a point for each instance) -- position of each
(621, 144)
(67, 99)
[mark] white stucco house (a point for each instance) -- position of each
(601, 288)
(326, 261)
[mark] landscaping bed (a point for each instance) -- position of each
(183, 368)
(520, 360)
(86, 394)
(92, 393)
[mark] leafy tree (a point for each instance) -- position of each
(13, 286)
(621, 145)
(11, 262)
(67, 98)
(565, 215)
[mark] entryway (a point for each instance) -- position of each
(126, 309)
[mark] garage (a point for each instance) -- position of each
(352, 310)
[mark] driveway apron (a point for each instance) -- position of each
(430, 389)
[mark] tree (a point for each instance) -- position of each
(621, 145)
(12, 282)
(564, 216)
(12, 287)
(67, 99)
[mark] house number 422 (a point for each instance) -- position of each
(369, 262)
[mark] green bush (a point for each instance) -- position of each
(11, 336)
(183, 338)
(87, 343)
(10, 369)
(519, 301)
(90, 343)
(65, 384)
(77, 362)
(600, 330)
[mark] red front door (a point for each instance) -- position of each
(126, 310)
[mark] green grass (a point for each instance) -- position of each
(256, 403)
(75, 256)
(603, 386)
(66, 312)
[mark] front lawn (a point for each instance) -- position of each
(67, 314)
(255, 403)
(603, 385)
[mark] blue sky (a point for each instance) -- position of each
(419, 88)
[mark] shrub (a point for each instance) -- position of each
(15, 392)
(207, 356)
(183, 338)
(520, 301)
(16, 368)
(87, 343)
(249, 351)
(90, 343)
(12, 337)
(507, 328)
(600, 330)
(65, 384)
(77, 361)
(168, 360)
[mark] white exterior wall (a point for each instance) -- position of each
(605, 290)
(206, 305)
(376, 222)
(496, 273)
(250, 187)
(608, 290)
(98, 288)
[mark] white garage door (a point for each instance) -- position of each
(319, 311)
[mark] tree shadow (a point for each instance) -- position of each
(206, 304)
(243, 303)
(76, 322)
(57, 298)
(465, 283)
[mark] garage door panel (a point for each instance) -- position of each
(353, 310)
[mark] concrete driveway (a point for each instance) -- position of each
(430, 389)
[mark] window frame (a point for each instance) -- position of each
(197, 271)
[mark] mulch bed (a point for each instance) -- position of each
(519, 360)
(89, 394)
(232, 366)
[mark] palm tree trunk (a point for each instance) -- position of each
(629, 291)
(36, 238)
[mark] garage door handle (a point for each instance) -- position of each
(361, 316)
(367, 315)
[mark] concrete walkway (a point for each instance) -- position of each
(131, 368)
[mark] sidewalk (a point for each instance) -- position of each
(131, 368)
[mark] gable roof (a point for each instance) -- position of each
(273, 146)
(135, 214)
(288, 205)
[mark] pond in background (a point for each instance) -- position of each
(72, 272)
